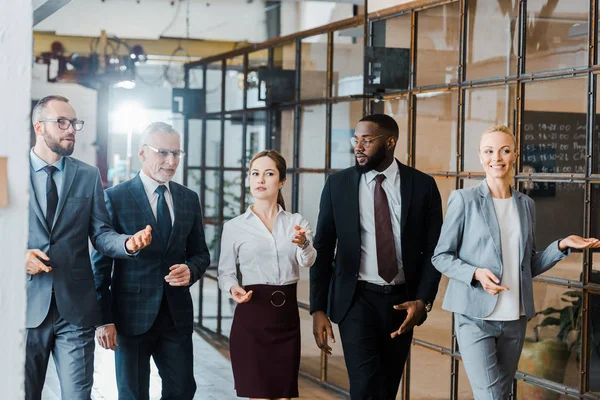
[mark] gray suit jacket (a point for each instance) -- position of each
(81, 213)
(470, 239)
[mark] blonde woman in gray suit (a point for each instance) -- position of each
(487, 249)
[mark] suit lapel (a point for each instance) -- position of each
(35, 205)
(177, 196)
(70, 173)
(489, 215)
(523, 220)
(405, 192)
(139, 194)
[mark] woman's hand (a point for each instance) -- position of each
(578, 242)
(489, 281)
(239, 295)
(299, 236)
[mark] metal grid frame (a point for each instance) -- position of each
(519, 80)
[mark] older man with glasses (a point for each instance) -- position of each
(66, 208)
(145, 303)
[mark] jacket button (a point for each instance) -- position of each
(52, 243)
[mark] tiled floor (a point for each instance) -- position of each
(212, 371)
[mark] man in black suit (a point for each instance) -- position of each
(145, 303)
(378, 226)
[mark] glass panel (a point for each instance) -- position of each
(596, 133)
(234, 84)
(285, 133)
(194, 150)
(213, 238)
(232, 194)
(344, 117)
(233, 140)
(437, 45)
(311, 186)
(526, 391)
(257, 61)
(553, 138)
(195, 79)
(446, 186)
(213, 142)
(557, 34)
(287, 191)
(393, 32)
(312, 137)
(313, 80)
(492, 52)
(549, 351)
(552, 225)
(209, 301)
(348, 69)
(256, 134)
(594, 351)
(194, 180)
(425, 364)
(484, 108)
(214, 86)
(436, 131)
(397, 109)
(211, 208)
(195, 293)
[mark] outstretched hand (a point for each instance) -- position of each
(414, 312)
(140, 240)
(578, 243)
(240, 295)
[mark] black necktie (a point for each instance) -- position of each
(51, 195)
(387, 264)
(163, 216)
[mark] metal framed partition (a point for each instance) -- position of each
(529, 64)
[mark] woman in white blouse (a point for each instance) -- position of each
(266, 246)
(487, 249)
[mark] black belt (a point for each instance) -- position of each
(383, 289)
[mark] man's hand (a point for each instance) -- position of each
(140, 240)
(107, 336)
(322, 330)
(33, 265)
(414, 312)
(239, 294)
(489, 281)
(179, 276)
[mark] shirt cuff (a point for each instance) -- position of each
(102, 326)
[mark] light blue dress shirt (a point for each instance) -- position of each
(38, 179)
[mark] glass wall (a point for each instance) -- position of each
(527, 64)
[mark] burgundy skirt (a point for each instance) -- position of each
(265, 343)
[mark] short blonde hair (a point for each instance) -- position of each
(499, 128)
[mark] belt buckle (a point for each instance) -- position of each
(387, 289)
(273, 294)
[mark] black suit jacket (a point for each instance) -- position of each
(130, 291)
(334, 275)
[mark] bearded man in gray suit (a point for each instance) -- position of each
(66, 207)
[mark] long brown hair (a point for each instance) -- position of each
(281, 168)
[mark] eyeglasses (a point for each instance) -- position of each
(64, 123)
(163, 153)
(366, 143)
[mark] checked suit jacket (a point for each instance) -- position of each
(130, 291)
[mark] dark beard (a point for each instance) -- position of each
(372, 162)
(54, 145)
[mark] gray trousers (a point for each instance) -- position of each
(72, 349)
(490, 352)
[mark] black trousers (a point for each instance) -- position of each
(374, 360)
(172, 352)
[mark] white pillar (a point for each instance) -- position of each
(15, 84)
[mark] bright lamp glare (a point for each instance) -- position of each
(129, 117)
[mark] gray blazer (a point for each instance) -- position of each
(470, 239)
(81, 213)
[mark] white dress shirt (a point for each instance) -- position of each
(368, 249)
(39, 177)
(150, 186)
(264, 257)
(508, 307)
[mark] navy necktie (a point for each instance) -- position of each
(163, 216)
(387, 264)
(51, 195)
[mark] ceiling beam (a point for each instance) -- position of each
(47, 8)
